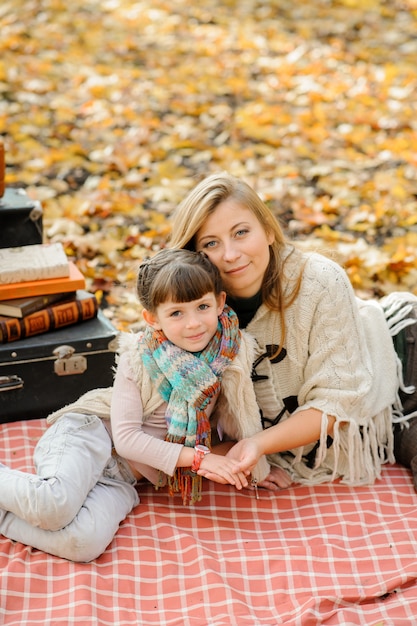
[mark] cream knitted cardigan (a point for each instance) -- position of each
(236, 408)
(340, 360)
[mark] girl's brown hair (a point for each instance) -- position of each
(177, 275)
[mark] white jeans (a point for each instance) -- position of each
(73, 505)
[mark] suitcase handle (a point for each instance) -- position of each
(8, 383)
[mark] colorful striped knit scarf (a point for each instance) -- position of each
(187, 381)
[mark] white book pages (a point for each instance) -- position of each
(33, 262)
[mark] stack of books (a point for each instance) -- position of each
(41, 290)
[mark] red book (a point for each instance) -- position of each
(24, 289)
(82, 307)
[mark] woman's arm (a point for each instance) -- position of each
(300, 429)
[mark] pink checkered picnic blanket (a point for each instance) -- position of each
(304, 556)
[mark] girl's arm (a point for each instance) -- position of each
(216, 467)
(146, 446)
(139, 443)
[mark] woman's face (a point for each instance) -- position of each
(236, 242)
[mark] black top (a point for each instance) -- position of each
(245, 308)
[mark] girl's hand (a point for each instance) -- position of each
(222, 470)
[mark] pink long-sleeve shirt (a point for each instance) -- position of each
(141, 442)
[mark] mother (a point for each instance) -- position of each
(327, 376)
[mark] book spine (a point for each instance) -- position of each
(42, 302)
(74, 281)
(2, 170)
(26, 306)
(50, 318)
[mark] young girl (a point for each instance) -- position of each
(190, 360)
(327, 375)
(185, 379)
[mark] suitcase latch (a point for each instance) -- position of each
(67, 363)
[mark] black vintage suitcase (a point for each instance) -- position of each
(20, 219)
(43, 373)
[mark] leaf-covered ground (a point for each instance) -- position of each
(111, 110)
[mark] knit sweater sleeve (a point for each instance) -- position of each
(337, 358)
(337, 370)
(345, 362)
(330, 358)
(140, 442)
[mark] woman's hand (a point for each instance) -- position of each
(223, 470)
(246, 453)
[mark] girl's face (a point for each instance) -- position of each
(236, 242)
(188, 325)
